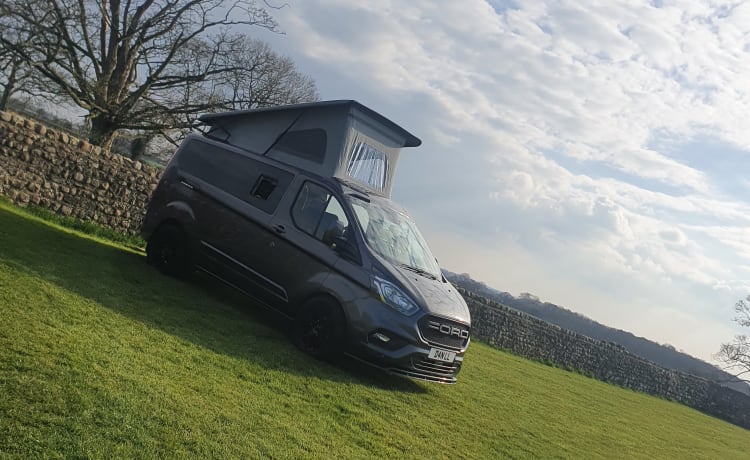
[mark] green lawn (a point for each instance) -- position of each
(101, 356)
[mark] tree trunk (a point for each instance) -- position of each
(103, 131)
(9, 87)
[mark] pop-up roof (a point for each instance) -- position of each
(341, 139)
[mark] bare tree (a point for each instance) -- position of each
(15, 74)
(129, 62)
(262, 78)
(252, 76)
(736, 354)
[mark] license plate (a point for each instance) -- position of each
(442, 355)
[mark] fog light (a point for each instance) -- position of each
(382, 337)
(385, 339)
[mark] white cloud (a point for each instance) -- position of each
(559, 129)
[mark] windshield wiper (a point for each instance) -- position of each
(418, 271)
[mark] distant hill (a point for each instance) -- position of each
(664, 355)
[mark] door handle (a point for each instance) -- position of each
(279, 229)
(187, 184)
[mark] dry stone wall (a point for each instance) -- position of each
(519, 333)
(50, 169)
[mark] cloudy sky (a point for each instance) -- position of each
(595, 154)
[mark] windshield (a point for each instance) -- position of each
(393, 235)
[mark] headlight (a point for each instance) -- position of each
(394, 297)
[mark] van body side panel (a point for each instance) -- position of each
(300, 262)
(232, 223)
(234, 172)
(232, 246)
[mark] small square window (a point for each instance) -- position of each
(264, 187)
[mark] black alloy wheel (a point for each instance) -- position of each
(319, 328)
(167, 251)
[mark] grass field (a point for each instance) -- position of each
(101, 356)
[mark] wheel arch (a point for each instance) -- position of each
(178, 213)
(322, 295)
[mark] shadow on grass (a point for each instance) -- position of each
(202, 311)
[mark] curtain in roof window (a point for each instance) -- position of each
(369, 166)
(369, 158)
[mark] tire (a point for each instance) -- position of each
(319, 328)
(167, 251)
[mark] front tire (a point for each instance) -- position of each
(319, 328)
(167, 251)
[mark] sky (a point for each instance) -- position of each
(592, 153)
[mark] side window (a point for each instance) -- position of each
(319, 214)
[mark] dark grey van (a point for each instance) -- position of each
(291, 206)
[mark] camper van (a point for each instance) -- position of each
(291, 205)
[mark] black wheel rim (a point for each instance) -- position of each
(315, 330)
(166, 255)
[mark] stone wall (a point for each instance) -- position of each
(50, 169)
(519, 333)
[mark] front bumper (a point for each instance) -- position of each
(401, 345)
(414, 363)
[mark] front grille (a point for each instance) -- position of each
(436, 367)
(444, 332)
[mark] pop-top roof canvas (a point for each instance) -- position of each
(341, 139)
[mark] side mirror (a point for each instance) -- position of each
(332, 236)
(346, 249)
